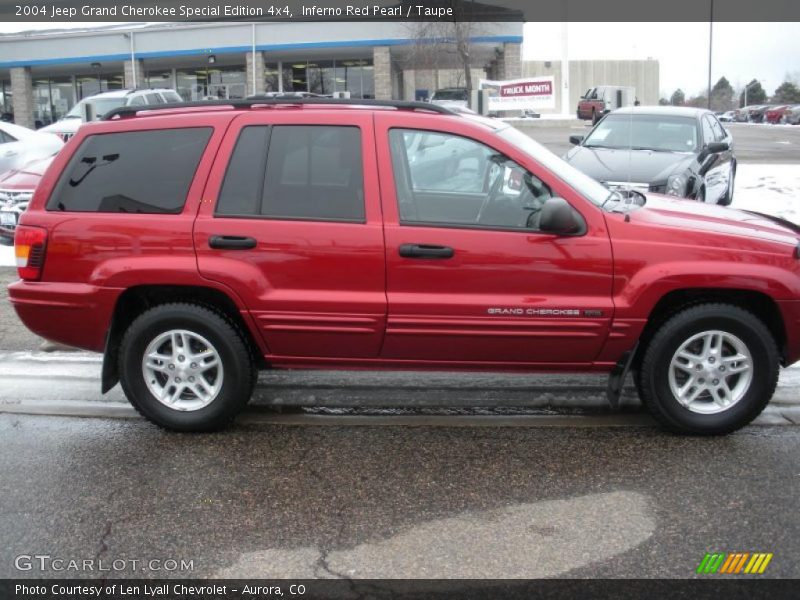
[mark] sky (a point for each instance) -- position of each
(741, 51)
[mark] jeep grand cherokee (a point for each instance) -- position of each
(194, 245)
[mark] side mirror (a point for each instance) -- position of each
(575, 139)
(558, 217)
(717, 147)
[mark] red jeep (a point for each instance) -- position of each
(195, 245)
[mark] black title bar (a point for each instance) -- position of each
(65, 11)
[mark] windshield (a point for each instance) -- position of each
(450, 95)
(661, 133)
(581, 182)
(101, 107)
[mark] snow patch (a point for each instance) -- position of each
(7, 256)
(768, 188)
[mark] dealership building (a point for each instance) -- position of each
(44, 73)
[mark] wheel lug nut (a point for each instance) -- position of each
(180, 358)
(722, 369)
(701, 381)
(178, 379)
(171, 367)
(194, 365)
(699, 367)
(711, 359)
(191, 379)
(715, 382)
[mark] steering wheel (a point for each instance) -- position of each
(490, 196)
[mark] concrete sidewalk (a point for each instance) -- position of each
(69, 383)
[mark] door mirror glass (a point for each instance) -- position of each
(717, 147)
(558, 217)
(575, 139)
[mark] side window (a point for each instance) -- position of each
(708, 132)
(719, 130)
(445, 179)
(5, 138)
(136, 101)
(131, 172)
(154, 99)
(312, 172)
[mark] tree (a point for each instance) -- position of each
(755, 94)
(722, 95)
(699, 101)
(663, 102)
(677, 98)
(786, 93)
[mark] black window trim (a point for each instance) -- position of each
(269, 126)
(476, 226)
(63, 173)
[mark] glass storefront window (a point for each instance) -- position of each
(52, 99)
(320, 77)
(93, 83)
(323, 77)
(160, 79)
(212, 83)
(6, 103)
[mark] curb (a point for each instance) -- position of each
(260, 415)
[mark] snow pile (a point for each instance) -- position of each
(770, 189)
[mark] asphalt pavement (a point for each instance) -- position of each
(288, 501)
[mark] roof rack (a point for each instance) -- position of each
(132, 111)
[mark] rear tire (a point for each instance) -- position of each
(715, 409)
(728, 197)
(202, 374)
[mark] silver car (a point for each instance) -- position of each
(20, 145)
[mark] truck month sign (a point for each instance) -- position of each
(520, 94)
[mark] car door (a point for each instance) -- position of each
(470, 279)
(715, 166)
(291, 223)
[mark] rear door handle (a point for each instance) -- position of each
(231, 242)
(425, 251)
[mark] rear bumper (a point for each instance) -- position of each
(74, 314)
(790, 310)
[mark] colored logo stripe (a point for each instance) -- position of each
(735, 563)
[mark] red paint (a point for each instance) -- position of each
(330, 294)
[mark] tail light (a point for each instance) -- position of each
(30, 244)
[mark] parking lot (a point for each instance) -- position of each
(542, 480)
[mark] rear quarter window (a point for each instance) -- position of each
(131, 172)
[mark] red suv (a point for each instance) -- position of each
(195, 245)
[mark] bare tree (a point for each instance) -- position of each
(443, 44)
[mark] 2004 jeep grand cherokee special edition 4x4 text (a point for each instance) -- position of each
(194, 245)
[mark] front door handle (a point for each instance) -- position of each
(425, 251)
(231, 242)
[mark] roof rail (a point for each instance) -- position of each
(132, 111)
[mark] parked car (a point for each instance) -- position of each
(757, 113)
(20, 145)
(602, 99)
(451, 97)
(102, 103)
(16, 190)
(672, 150)
(792, 116)
(194, 247)
(743, 114)
(728, 116)
(774, 114)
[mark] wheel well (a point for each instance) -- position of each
(134, 301)
(674, 302)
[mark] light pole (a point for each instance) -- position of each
(710, 46)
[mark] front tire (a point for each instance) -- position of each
(709, 370)
(185, 367)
